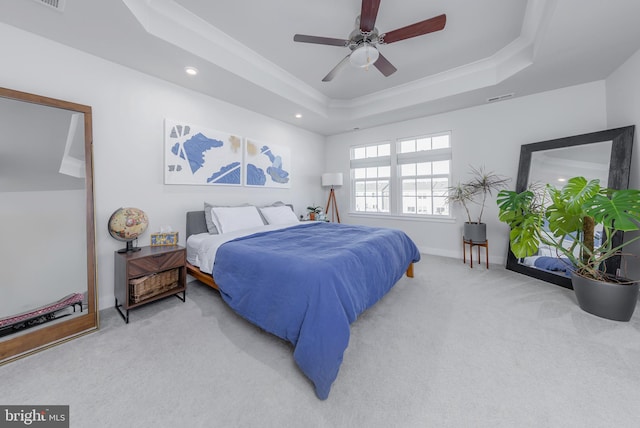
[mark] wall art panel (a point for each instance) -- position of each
(195, 154)
(267, 165)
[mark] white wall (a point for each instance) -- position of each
(489, 136)
(623, 109)
(129, 109)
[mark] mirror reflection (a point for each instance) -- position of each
(46, 222)
(605, 155)
(555, 167)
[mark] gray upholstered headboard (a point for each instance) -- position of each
(196, 222)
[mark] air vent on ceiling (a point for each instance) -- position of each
(53, 4)
(500, 98)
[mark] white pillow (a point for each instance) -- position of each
(281, 214)
(212, 223)
(230, 219)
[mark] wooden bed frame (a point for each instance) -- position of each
(196, 223)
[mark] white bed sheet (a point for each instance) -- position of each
(202, 247)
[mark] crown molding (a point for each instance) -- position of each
(174, 24)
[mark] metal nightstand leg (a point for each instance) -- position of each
(184, 295)
(125, 318)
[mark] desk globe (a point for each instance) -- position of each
(126, 224)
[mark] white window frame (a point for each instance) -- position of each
(370, 162)
(394, 161)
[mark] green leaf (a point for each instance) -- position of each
(524, 241)
(514, 207)
(578, 191)
(621, 212)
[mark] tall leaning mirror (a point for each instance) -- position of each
(605, 155)
(48, 286)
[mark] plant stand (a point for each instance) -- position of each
(472, 244)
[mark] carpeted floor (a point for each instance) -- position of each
(453, 347)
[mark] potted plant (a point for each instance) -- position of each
(313, 211)
(565, 220)
(474, 192)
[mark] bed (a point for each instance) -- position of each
(304, 282)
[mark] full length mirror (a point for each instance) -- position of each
(47, 223)
(604, 155)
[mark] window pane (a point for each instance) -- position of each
(424, 168)
(383, 187)
(384, 204)
(384, 171)
(440, 206)
(424, 144)
(359, 153)
(359, 173)
(370, 187)
(408, 205)
(441, 167)
(440, 186)
(424, 206)
(384, 150)
(359, 188)
(408, 187)
(407, 146)
(372, 172)
(423, 187)
(440, 142)
(408, 170)
(372, 151)
(360, 203)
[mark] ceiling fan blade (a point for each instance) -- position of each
(418, 29)
(384, 66)
(320, 40)
(329, 77)
(368, 15)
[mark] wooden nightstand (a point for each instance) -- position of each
(147, 275)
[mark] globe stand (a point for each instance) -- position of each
(130, 248)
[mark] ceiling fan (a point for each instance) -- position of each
(365, 39)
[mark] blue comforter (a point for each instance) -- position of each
(306, 284)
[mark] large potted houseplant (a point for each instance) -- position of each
(475, 192)
(566, 220)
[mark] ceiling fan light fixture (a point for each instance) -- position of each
(364, 55)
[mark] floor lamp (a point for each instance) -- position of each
(332, 179)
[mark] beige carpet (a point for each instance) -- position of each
(453, 347)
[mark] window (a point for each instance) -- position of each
(371, 175)
(407, 177)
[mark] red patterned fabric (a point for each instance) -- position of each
(69, 300)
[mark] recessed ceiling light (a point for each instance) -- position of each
(298, 115)
(562, 179)
(191, 71)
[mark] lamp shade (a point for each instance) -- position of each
(364, 55)
(330, 179)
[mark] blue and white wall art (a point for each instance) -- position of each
(198, 155)
(267, 165)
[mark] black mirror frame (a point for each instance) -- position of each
(619, 169)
